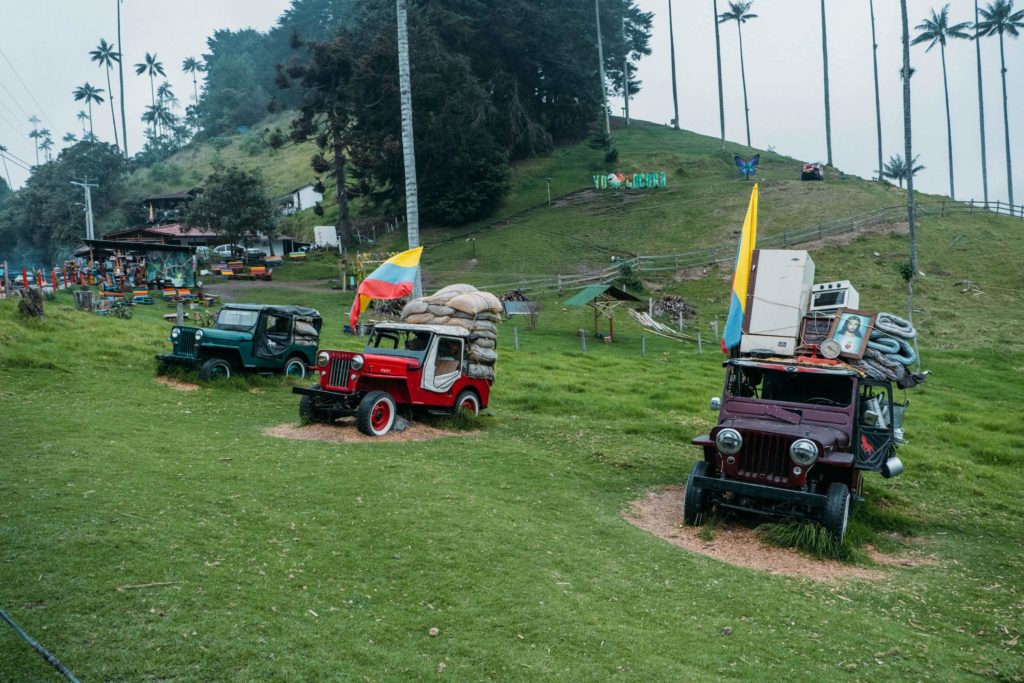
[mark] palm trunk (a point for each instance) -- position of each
(600, 71)
(908, 152)
(625, 70)
(672, 55)
(949, 124)
(824, 61)
(120, 73)
(718, 58)
(412, 206)
(878, 104)
(981, 108)
(743, 77)
(1006, 124)
(92, 135)
(195, 91)
(152, 101)
(113, 119)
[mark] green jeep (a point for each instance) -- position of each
(249, 337)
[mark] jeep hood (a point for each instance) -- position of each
(212, 334)
(830, 438)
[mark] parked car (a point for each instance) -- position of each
(249, 337)
(416, 368)
(793, 441)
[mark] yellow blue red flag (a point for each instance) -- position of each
(393, 279)
(733, 332)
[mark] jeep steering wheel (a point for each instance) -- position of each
(822, 401)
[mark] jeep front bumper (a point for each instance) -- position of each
(743, 489)
(187, 361)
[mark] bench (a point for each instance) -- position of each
(141, 296)
(261, 273)
(273, 260)
(297, 255)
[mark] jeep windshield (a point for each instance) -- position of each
(759, 383)
(407, 343)
(237, 320)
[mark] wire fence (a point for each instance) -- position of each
(712, 256)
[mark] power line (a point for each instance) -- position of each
(3, 155)
(31, 96)
(15, 100)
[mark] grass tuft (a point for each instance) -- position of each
(808, 537)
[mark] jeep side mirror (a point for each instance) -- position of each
(716, 403)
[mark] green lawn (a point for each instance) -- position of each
(150, 533)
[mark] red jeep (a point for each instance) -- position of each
(417, 367)
(793, 440)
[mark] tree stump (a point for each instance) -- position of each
(31, 304)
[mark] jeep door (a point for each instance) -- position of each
(443, 364)
(272, 340)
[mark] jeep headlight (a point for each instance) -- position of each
(729, 441)
(175, 333)
(803, 452)
(357, 362)
(199, 335)
(322, 359)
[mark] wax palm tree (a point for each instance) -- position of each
(106, 56)
(70, 138)
(981, 107)
(878, 102)
(164, 99)
(192, 66)
(740, 13)
(412, 204)
(672, 56)
(899, 170)
(89, 94)
(152, 67)
(34, 120)
(3, 150)
(936, 30)
(718, 59)
(999, 18)
(906, 74)
(82, 118)
(120, 78)
(824, 61)
(46, 145)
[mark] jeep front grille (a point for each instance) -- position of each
(185, 344)
(338, 376)
(764, 458)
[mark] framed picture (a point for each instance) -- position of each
(851, 330)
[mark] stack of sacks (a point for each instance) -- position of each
(463, 306)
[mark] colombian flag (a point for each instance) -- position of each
(392, 280)
(741, 277)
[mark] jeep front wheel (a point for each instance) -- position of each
(215, 368)
(693, 497)
(295, 367)
(467, 402)
(309, 413)
(376, 413)
(837, 511)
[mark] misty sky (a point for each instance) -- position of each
(47, 43)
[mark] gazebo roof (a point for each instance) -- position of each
(590, 293)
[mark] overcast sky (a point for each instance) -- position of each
(47, 44)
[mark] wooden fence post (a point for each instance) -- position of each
(515, 337)
(700, 350)
(643, 344)
(583, 340)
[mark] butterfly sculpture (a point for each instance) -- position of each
(747, 168)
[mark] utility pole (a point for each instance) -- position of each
(625, 70)
(90, 228)
(672, 56)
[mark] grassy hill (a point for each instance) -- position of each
(156, 533)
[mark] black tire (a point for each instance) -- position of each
(693, 498)
(376, 413)
(837, 511)
(468, 401)
(215, 368)
(295, 367)
(309, 413)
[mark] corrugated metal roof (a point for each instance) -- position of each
(587, 294)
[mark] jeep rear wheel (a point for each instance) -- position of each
(837, 511)
(215, 368)
(467, 402)
(693, 498)
(295, 367)
(376, 413)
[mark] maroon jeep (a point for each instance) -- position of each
(421, 368)
(793, 440)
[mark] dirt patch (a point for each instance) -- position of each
(660, 513)
(177, 385)
(344, 431)
(847, 237)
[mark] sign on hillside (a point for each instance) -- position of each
(630, 181)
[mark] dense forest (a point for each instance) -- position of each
(491, 83)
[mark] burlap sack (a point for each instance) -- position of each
(483, 334)
(481, 355)
(437, 309)
(485, 326)
(475, 302)
(484, 343)
(413, 307)
(453, 290)
(461, 322)
(480, 371)
(419, 319)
